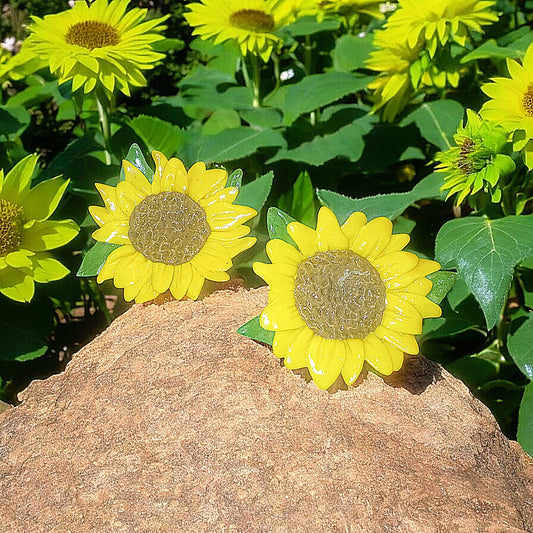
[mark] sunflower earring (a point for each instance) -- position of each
(169, 232)
(343, 295)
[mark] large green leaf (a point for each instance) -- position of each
(525, 420)
(382, 205)
(277, 221)
(234, 144)
(437, 121)
(315, 91)
(94, 259)
(485, 252)
(351, 52)
(346, 142)
(157, 134)
(490, 50)
(255, 193)
(300, 200)
(520, 346)
(13, 120)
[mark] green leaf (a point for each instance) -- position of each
(254, 331)
(94, 259)
(315, 91)
(525, 420)
(277, 222)
(235, 179)
(437, 121)
(235, 143)
(300, 200)
(255, 193)
(13, 121)
(24, 329)
(136, 157)
(157, 134)
(309, 25)
(443, 282)
(485, 252)
(220, 120)
(520, 345)
(351, 52)
(346, 142)
(490, 50)
(382, 205)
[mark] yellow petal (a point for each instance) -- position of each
(398, 242)
(228, 195)
(230, 234)
(411, 323)
(136, 177)
(402, 341)
(162, 275)
(204, 183)
(279, 251)
(325, 360)
(424, 268)
(304, 237)
(113, 259)
(280, 316)
(377, 355)
(101, 215)
(237, 246)
(353, 225)
(196, 284)
(213, 256)
(113, 233)
(328, 232)
(146, 293)
(160, 162)
(423, 305)
(109, 195)
(212, 275)
(355, 358)
(283, 340)
(222, 216)
(181, 280)
(396, 356)
(420, 286)
(174, 177)
(297, 353)
(395, 264)
(128, 197)
(373, 238)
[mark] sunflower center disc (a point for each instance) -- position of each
(92, 34)
(252, 20)
(168, 227)
(339, 295)
(11, 221)
(527, 102)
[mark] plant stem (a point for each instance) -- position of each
(308, 67)
(102, 104)
(256, 80)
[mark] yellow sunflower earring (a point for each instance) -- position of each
(167, 230)
(343, 295)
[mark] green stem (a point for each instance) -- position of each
(102, 104)
(256, 80)
(308, 66)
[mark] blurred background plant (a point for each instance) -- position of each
(358, 105)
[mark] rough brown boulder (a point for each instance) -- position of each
(172, 422)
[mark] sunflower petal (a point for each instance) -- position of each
(325, 359)
(377, 354)
(304, 237)
(355, 358)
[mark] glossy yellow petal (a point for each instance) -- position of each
(102, 216)
(297, 353)
(204, 183)
(113, 233)
(146, 293)
(222, 216)
(392, 265)
(283, 340)
(136, 178)
(113, 259)
(353, 225)
(181, 280)
(397, 357)
(420, 286)
(304, 237)
(397, 243)
(279, 317)
(213, 256)
(174, 177)
(160, 162)
(325, 360)
(237, 246)
(162, 275)
(228, 195)
(402, 323)
(424, 268)
(212, 275)
(196, 284)
(278, 276)
(402, 341)
(109, 195)
(128, 197)
(328, 232)
(424, 306)
(279, 251)
(355, 358)
(377, 354)
(230, 234)
(372, 238)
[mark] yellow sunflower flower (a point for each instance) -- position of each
(348, 294)
(351, 7)
(511, 104)
(440, 21)
(26, 234)
(174, 233)
(392, 87)
(250, 23)
(100, 43)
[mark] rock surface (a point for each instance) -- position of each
(172, 422)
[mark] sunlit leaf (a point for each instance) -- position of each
(525, 420)
(520, 345)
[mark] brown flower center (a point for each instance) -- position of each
(169, 228)
(92, 34)
(527, 101)
(252, 20)
(11, 222)
(339, 295)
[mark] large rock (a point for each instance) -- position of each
(172, 422)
